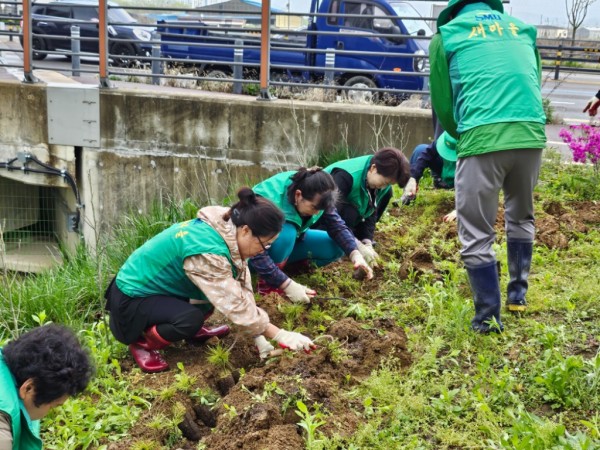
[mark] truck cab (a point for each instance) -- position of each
(403, 48)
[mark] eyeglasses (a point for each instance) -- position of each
(264, 247)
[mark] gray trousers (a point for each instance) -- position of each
(478, 181)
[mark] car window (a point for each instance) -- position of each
(58, 11)
(119, 15)
(85, 13)
(412, 26)
(38, 10)
(364, 9)
(334, 8)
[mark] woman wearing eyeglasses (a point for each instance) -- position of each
(169, 286)
(304, 196)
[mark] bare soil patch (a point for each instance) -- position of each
(257, 410)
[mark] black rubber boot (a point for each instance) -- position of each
(519, 263)
(486, 297)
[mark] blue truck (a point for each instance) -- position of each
(368, 36)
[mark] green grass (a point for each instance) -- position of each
(536, 386)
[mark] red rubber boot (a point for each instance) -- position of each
(206, 333)
(145, 351)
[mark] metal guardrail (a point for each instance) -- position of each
(154, 66)
(564, 56)
(571, 58)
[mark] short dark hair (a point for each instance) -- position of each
(312, 182)
(391, 163)
(53, 358)
(260, 214)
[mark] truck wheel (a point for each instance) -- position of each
(38, 45)
(356, 96)
(122, 49)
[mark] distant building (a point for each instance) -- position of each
(588, 33)
(551, 32)
(247, 10)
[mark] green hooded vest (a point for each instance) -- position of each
(505, 46)
(25, 432)
(275, 189)
(157, 266)
(359, 196)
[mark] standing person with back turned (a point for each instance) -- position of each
(485, 89)
(39, 371)
(169, 286)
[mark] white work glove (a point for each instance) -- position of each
(358, 261)
(410, 191)
(263, 346)
(592, 106)
(450, 217)
(294, 341)
(366, 249)
(298, 293)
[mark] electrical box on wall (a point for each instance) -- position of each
(73, 115)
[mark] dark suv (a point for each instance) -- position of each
(55, 18)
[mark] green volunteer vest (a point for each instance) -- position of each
(157, 266)
(359, 196)
(275, 189)
(505, 46)
(25, 432)
(448, 170)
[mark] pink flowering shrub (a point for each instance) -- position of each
(584, 142)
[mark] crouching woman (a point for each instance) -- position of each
(169, 286)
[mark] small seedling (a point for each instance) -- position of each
(184, 381)
(310, 423)
(230, 410)
(356, 310)
(218, 355)
(205, 396)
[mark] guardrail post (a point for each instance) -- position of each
(557, 61)
(265, 51)
(27, 44)
(156, 64)
(329, 66)
(75, 51)
(103, 42)
(238, 70)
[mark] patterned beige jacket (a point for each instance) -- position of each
(6, 439)
(233, 297)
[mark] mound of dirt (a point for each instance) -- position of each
(562, 224)
(264, 400)
(257, 410)
(419, 262)
(548, 232)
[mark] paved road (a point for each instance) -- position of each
(568, 95)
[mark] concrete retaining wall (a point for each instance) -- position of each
(159, 143)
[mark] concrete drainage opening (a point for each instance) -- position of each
(31, 226)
